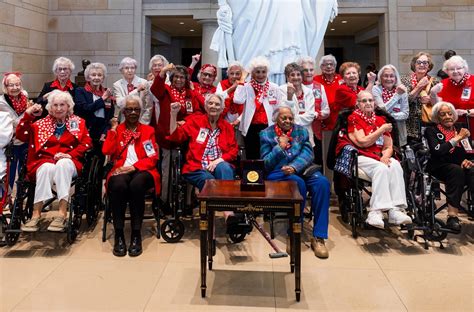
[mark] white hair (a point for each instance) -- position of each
(437, 107)
(328, 57)
(60, 95)
(209, 96)
(304, 60)
(157, 57)
(455, 59)
(395, 71)
(92, 66)
(276, 111)
(5, 81)
(63, 60)
(132, 98)
(235, 64)
(258, 61)
(127, 61)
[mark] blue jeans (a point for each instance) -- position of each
(319, 188)
(223, 171)
(19, 153)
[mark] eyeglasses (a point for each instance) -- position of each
(207, 75)
(327, 65)
(129, 110)
(442, 114)
(65, 69)
(11, 85)
(366, 101)
(422, 62)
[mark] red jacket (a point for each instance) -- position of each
(75, 141)
(115, 143)
(330, 88)
(345, 98)
(163, 93)
(190, 130)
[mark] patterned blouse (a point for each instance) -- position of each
(413, 122)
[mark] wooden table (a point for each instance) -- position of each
(279, 196)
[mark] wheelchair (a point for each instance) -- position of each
(423, 193)
(5, 200)
(354, 184)
(83, 201)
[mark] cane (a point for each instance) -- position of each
(278, 253)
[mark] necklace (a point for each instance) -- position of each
(60, 126)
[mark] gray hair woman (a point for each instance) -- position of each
(62, 69)
(449, 161)
(130, 84)
(58, 144)
(226, 88)
(390, 94)
(156, 64)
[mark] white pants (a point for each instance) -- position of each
(60, 174)
(388, 185)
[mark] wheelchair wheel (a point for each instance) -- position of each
(237, 237)
(436, 234)
(354, 222)
(74, 223)
(94, 193)
(172, 230)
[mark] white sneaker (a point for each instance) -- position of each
(31, 225)
(58, 224)
(375, 218)
(396, 216)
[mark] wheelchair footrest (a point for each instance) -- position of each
(13, 231)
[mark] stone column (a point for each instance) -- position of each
(209, 26)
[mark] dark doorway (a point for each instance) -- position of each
(338, 54)
(186, 56)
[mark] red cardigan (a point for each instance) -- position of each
(345, 98)
(163, 93)
(190, 130)
(76, 145)
(330, 88)
(115, 143)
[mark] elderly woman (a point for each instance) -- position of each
(286, 151)
(6, 134)
(346, 93)
(391, 95)
(130, 84)
(206, 76)
(133, 149)
(449, 159)
(178, 92)
(93, 102)
(212, 145)
(14, 102)
(418, 85)
(62, 69)
(260, 97)
(157, 62)
(227, 88)
(371, 136)
(58, 143)
(321, 105)
(457, 89)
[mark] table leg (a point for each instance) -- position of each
(203, 227)
(297, 234)
(210, 239)
(292, 245)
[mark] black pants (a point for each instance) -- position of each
(129, 188)
(318, 151)
(455, 178)
(252, 141)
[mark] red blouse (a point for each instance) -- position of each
(345, 98)
(330, 88)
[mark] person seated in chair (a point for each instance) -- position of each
(286, 151)
(450, 161)
(134, 151)
(212, 148)
(58, 143)
(371, 136)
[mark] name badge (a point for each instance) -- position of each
(317, 93)
(272, 101)
(396, 110)
(149, 148)
(466, 93)
(467, 146)
(301, 106)
(201, 138)
(73, 126)
(379, 141)
(189, 106)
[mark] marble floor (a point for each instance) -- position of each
(379, 271)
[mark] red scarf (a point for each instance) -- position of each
(57, 85)
(130, 136)
(448, 135)
(414, 81)
(225, 84)
(329, 81)
(387, 94)
(47, 125)
(98, 92)
(19, 104)
(178, 96)
(369, 120)
(279, 132)
(462, 81)
(260, 91)
(204, 89)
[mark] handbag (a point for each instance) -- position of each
(110, 163)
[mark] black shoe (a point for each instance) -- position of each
(135, 248)
(453, 224)
(236, 224)
(120, 248)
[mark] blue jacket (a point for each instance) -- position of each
(299, 156)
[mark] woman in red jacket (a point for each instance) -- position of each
(133, 149)
(58, 143)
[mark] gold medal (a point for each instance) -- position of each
(252, 176)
